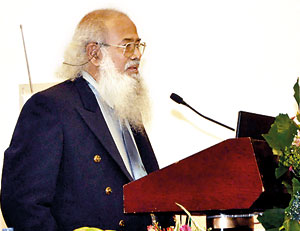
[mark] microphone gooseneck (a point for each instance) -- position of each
(180, 100)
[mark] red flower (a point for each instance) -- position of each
(185, 228)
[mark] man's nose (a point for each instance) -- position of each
(136, 54)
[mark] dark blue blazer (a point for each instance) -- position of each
(50, 180)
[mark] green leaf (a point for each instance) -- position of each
(288, 187)
(296, 185)
(177, 226)
(280, 171)
(277, 152)
(274, 229)
(281, 133)
(298, 114)
(198, 228)
(291, 225)
(272, 218)
(297, 92)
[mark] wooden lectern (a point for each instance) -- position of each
(236, 176)
(223, 177)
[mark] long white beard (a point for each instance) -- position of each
(128, 95)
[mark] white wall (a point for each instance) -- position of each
(220, 56)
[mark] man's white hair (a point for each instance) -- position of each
(92, 28)
(127, 94)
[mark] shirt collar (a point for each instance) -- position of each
(89, 79)
(94, 85)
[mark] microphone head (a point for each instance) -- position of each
(177, 98)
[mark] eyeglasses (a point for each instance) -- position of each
(128, 48)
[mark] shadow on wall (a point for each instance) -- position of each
(178, 115)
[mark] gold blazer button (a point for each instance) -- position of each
(122, 223)
(97, 158)
(108, 190)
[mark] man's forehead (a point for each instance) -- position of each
(121, 29)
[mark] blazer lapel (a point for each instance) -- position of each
(91, 114)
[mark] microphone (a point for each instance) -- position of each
(177, 99)
(180, 100)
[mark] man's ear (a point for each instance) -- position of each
(93, 53)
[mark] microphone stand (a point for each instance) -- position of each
(179, 100)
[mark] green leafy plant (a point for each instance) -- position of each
(179, 226)
(284, 139)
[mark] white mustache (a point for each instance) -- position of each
(132, 63)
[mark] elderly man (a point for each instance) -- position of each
(76, 144)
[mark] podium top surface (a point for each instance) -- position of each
(222, 177)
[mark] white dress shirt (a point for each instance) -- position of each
(111, 120)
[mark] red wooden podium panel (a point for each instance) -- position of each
(222, 177)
